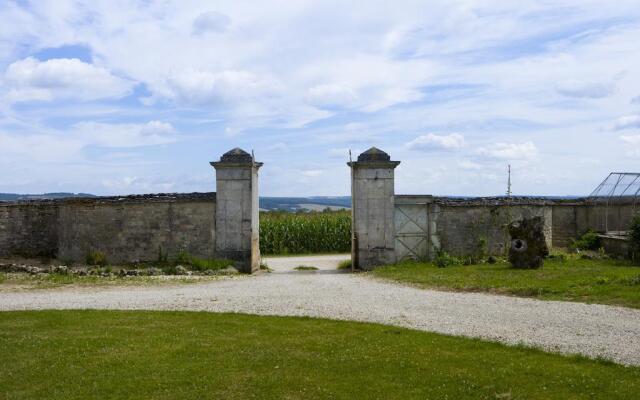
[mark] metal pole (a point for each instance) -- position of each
(354, 236)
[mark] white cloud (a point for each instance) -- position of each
(133, 184)
(64, 78)
(628, 121)
(431, 141)
(592, 90)
(632, 146)
(331, 95)
(312, 172)
(278, 146)
(125, 135)
(469, 165)
(509, 151)
(211, 22)
(196, 87)
(631, 139)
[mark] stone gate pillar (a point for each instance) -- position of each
(237, 209)
(372, 201)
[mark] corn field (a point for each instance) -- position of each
(311, 232)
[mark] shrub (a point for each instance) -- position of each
(305, 268)
(635, 281)
(207, 264)
(634, 232)
(197, 264)
(588, 241)
(96, 258)
(443, 260)
(345, 264)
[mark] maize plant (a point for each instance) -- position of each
(305, 232)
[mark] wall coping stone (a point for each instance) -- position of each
(127, 199)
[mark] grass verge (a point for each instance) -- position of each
(21, 281)
(305, 268)
(604, 281)
(187, 355)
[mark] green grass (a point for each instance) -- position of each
(284, 233)
(170, 355)
(305, 268)
(12, 281)
(194, 263)
(345, 264)
(605, 281)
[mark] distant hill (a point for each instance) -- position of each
(44, 196)
(316, 203)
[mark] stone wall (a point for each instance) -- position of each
(472, 225)
(29, 229)
(466, 227)
(125, 229)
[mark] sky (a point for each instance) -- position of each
(119, 97)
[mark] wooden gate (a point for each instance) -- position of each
(411, 217)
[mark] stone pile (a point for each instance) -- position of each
(106, 272)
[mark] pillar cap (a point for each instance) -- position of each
(374, 157)
(235, 157)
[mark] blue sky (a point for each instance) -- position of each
(116, 97)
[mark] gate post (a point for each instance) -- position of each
(372, 203)
(237, 209)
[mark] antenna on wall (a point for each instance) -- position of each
(509, 180)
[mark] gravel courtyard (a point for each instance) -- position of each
(591, 330)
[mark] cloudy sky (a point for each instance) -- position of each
(114, 97)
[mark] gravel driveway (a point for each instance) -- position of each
(591, 330)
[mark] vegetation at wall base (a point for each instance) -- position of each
(305, 268)
(305, 232)
(200, 264)
(194, 355)
(571, 277)
(345, 264)
(588, 241)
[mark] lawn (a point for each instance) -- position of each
(603, 281)
(187, 355)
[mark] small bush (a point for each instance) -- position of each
(443, 260)
(96, 258)
(345, 264)
(635, 281)
(634, 238)
(588, 241)
(208, 264)
(561, 257)
(305, 268)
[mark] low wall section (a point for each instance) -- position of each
(29, 229)
(461, 227)
(125, 229)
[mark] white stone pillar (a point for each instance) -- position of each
(373, 209)
(237, 210)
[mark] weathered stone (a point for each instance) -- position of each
(180, 270)
(237, 210)
(528, 244)
(372, 180)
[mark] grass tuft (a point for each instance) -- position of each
(305, 268)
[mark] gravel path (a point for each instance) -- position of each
(591, 330)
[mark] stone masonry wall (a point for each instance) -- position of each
(29, 229)
(462, 225)
(126, 229)
(137, 228)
